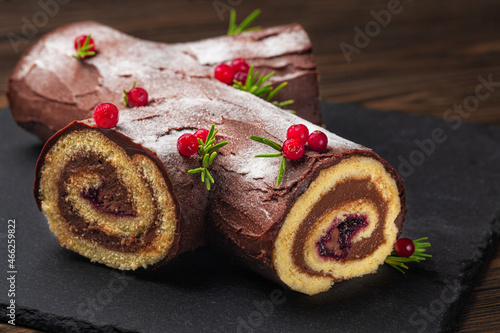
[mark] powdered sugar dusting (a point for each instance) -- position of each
(264, 44)
(183, 97)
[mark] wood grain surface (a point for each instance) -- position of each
(425, 57)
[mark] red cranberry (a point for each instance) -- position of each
(202, 134)
(240, 65)
(318, 141)
(241, 77)
(298, 131)
(405, 247)
(82, 50)
(137, 97)
(293, 148)
(224, 73)
(187, 144)
(106, 115)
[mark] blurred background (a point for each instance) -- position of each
(422, 57)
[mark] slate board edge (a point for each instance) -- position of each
(46, 322)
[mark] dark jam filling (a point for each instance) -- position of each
(337, 242)
(104, 203)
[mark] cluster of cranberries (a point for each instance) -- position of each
(237, 71)
(187, 144)
(297, 136)
(405, 247)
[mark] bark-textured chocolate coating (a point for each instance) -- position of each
(246, 209)
(48, 88)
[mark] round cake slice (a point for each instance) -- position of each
(343, 226)
(111, 200)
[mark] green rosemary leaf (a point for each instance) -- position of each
(209, 176)
(246, 22)
(257, 138)
(262, 90)
(285, 103)
(232, 22)
(400, 259)
(86, 43)
(207, 183)
(250, 79)
(281, 172)
(215, 147)
(203, 175)
(204, 161)
(268, 142)
(267, 77)
(252, 90)
(125, 98)
(273, 144)
(197, 170)
(269, 155)
(211, 134)
(398, 267)
(238, 85)
(212, 157)
(275, 91)
(209, 144)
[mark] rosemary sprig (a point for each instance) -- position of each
(207, 152)
(275, 146)
(419, 255)
(256, 84)
(235, 29)
(83, 50)
(125, 98)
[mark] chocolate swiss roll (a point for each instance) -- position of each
(48, 88)
(337, 214)
(123, 196)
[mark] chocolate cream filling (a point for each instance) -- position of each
(342, 193)
(110, 198)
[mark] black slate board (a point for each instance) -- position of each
(453, 197)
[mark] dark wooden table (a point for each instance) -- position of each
(425, 57)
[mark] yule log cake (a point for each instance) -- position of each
(48, 89)
(123, 196)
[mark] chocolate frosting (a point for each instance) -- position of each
(48, 88)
